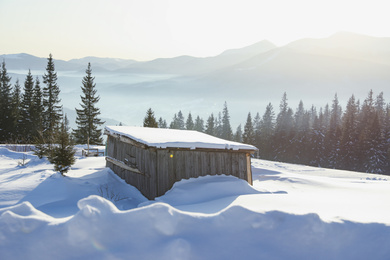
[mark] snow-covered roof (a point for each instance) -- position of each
(172, 138)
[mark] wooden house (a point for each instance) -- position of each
(153, 159)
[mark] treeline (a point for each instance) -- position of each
(34, 115)
(356, 139)
(218, 125)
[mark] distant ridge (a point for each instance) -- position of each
(248, 78)
(255, 48)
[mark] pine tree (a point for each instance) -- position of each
(190, 123)
(27, 108)
(227, 133)
(52, 114)
(210, 128)
(150, 119)
(248, 137)
(5, 104)
(62, 155)
(199, 124)
(88, 119)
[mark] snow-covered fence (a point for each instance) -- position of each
(19, 147)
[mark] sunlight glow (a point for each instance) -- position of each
(144, 30)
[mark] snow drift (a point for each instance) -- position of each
(159, 231)
(291, 212)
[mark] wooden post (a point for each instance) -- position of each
(249, 168)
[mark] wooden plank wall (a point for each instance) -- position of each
(161, 168)
(185, 164)
(144, 160)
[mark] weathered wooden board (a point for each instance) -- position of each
(154, 171)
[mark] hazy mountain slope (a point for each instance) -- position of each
(23, 61)
(312, 70)
(305, 72)
(106, 63)
(347, 45)
(193, 65)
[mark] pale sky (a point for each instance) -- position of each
(148, 29)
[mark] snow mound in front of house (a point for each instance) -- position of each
(206, 188)
(159, 231)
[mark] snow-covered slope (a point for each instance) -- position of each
(291, 212)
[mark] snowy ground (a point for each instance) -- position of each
(291, 212)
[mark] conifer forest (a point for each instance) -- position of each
(356, 137)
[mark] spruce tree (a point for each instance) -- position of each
(349, 137)
(218, 125)
(150, 119)
(87, 120)
(326, 116)
(300, 140)
(257, 129)
(380, 107)
(178, 121)
(227, 133)
(189, 123)
(283, 131)
(248, 137)
(199, 124)
(267, 129)
(210, 128)
(375, 153)
(27, 108)
(333, 136)
(174, 124)
(365, 119)
(5, 104)
(62, 155)
(162, 123)
(37, 111)
(317, 141)
(16, 133)
(52, 114)
(238, 135)
(386, 136)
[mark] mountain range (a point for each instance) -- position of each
(248, 78)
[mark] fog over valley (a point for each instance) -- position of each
(248, 78)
